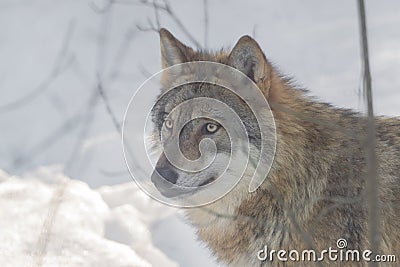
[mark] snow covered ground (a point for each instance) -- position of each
(104, 227)
(52, 55)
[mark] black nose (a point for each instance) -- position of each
(168, 174)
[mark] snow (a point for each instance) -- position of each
(84, 230)
(314, 41)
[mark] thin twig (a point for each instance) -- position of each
(47, 142)
(156, 15)
(87, 120)
(166, 8)
(95, 7)
(44, 237)
(372, 166)
(206, 23)
(180, 24)
(113, 117)
(57, 69)
(121, 54)
(254, 31)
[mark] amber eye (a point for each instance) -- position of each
(168, 123)
(211, 128)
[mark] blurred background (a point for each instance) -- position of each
(67, 72)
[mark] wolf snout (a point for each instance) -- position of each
(166, 173)
(164, 180)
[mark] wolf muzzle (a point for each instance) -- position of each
(164, 177)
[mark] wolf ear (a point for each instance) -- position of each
(248, 57)
(172, 50)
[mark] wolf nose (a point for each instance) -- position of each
(168, 174)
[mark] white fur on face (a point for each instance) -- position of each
(219, 167)
(215, 170)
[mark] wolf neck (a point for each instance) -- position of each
(302, 141)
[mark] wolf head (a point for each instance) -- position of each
(192, 131)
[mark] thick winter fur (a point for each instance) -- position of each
(315, 191)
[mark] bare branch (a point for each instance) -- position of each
(205, 4)
(98, 9)
(103, 95)
(87, 120)
(59, 67)
(180, 24)
(372, 165)
(44, 237)
(156, 15)
(149, 28)
(52, 138)
(121, 53)
(254, 31)
(166, 8)
(146, 73)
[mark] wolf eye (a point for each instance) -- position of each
(168, 123)
(211, 128)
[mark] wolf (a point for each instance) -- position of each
(315, 192)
